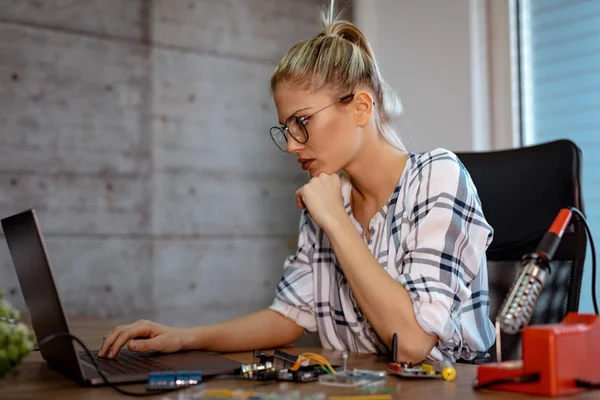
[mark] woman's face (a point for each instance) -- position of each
(333, 135)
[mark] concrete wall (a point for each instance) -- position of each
(139, 132)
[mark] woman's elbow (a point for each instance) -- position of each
(415, 351)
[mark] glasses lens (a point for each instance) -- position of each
(279, 138)
(297, 129)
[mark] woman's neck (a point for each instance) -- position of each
(375, 172)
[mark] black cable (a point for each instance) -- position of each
(586, 384)
(531, 378)
(589, 234)
(104, 378)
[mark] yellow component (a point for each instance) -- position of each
(448, 373)
(428, 368)
(218, 393)
(363, 397)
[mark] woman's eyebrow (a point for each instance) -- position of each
(295, 112)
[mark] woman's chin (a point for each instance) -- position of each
(315, 170)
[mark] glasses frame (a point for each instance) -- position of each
(283, 130)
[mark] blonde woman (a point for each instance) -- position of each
(390, 241)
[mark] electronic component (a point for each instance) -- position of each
(445, 370)
(285, 357)
(308, 373)
(354, 378)
(283, 366)
(258, 370)
(262, 358)
(407, 370)
(279, 359)
(166, 380)
(343, 380)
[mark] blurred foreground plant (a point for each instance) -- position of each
(16, 340)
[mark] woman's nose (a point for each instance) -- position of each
(293, 146)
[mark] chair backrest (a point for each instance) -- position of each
(522, 191)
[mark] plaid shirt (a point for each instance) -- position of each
(431, 237)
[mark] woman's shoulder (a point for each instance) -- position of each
(438, 165)
(437, 173)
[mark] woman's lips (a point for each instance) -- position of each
(306, 164)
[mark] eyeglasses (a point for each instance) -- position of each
(296, 127)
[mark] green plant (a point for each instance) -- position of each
(15, 338)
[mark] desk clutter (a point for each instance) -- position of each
(283, 368)
(280, 394)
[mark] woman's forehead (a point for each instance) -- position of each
(288, 100)
(289, 93)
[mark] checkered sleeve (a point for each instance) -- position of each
(294, 296)
(442, 259)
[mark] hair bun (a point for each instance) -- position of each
(332, 27)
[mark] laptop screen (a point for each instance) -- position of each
(32, 265)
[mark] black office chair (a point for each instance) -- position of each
(521, 191)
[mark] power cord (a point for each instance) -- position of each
(586, 384)
(112, 385)
(589, 234)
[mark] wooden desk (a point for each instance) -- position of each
(36, 379)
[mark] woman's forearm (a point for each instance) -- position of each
(385, 302)
(260, 330)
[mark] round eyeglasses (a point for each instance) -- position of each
(296, 127)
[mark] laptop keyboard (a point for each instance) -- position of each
(125, 363)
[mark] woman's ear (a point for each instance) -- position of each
(364, 107)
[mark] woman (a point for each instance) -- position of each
(390, 241)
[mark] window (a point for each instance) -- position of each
(559, 51)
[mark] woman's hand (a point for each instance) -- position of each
(322, 196)
(143, 335)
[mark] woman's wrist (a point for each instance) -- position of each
(191, 338)
(336, 222)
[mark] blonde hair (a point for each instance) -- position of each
(340, 57)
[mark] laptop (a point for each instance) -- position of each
(32, 265)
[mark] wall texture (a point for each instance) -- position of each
(138, 130)
(430, 52)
